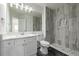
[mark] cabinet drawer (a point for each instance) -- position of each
(19, 42)
(29, 40)
(8, 43)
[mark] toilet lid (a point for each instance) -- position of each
(44, 43)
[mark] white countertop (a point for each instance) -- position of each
(14, 36)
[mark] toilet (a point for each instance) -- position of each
(44, 47)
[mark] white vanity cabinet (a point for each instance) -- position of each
(0, 43)
(20, 47)
(0, 47)
(30, 48)
(7, 47)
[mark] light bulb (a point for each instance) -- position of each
(17, 5)
(26, 8)
(11, 5)
(30, 9)
(21, 7)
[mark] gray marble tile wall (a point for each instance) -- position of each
(63, 28)
(37, 23)
(49, 25)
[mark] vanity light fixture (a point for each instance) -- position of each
(22, 7)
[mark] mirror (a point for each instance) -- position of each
(23, 18)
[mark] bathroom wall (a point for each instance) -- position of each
(7, 20)
(50, 25)
(2, 18)
(62, 26)
(44, 21)
(66, 26)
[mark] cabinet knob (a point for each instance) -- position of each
(24, 40)
(9, 43)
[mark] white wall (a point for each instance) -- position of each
(2, 15)
(7, 19)
(44, 21)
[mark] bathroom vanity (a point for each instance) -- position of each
(19, 45)
(15, 39)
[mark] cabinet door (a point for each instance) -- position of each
(19, 51)
(0, 48)
(7, 48)
(30, 46)
(7, 51)
(19, 47)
